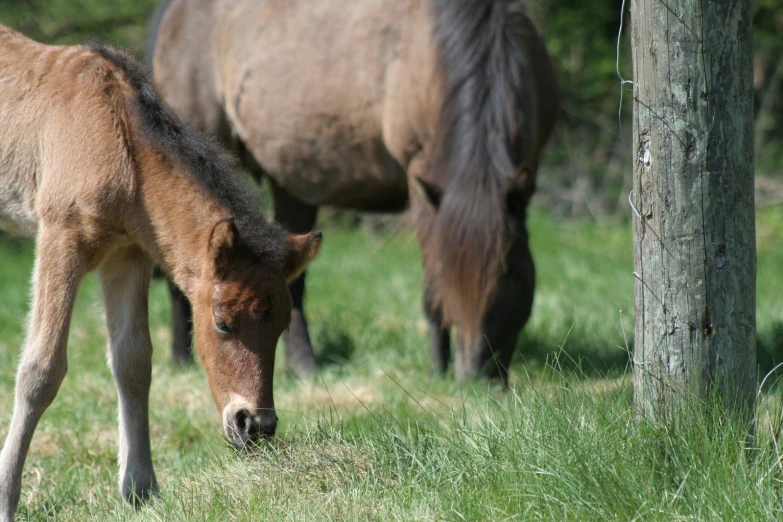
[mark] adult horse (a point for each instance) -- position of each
(444, 105)
(104, 177)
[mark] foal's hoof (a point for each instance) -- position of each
(137, 494)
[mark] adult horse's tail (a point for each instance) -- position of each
(500, 103)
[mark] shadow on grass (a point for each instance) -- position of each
(597, 358)
(582, 355)
(769, 348)
(336, 348)
(587, 357)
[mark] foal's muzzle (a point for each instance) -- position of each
(241, 427)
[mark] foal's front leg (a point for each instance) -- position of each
(60, 265)
(125, 277)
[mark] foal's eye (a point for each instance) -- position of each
(221, 326)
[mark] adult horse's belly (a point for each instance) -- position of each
(327, 164)
(304, 86)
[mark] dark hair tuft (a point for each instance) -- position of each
(202, 159)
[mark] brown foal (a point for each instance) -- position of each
(98, 170)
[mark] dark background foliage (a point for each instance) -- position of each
(587, 167)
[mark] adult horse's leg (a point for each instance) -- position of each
(60, 266)
(440, 337)
(181, 326)
(461, 370)
(298, 218)
(125, 278)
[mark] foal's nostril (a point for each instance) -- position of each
(243, 422)
(247, 427)
(252, 431)
(267, 427)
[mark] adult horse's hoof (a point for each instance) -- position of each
(302, 363)
(181, 357)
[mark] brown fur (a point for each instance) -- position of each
(104, 177)
(444, 105)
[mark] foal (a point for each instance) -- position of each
(104, 177)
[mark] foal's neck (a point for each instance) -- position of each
(174, 220)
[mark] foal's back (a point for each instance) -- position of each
(54, 100)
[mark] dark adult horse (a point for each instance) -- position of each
(443, 105)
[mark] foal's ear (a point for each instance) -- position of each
(301, 249)
(432, 193)
(222, 242)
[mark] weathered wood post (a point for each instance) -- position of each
(694, 228)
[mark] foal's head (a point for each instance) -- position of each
(240, 307)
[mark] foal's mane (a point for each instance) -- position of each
(213, 169)
(487, 122)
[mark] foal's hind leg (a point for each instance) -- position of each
(298, 218)
(440, 338)
(60, 265)
(125, 277)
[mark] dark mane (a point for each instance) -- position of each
(203, 160)
(486, 131)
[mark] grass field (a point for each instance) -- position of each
(372, 438)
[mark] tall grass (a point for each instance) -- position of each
(372, 438)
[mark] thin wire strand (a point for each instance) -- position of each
(623, 83)
(632, 206)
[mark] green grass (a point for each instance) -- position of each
(372, 438)
(69, 22)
